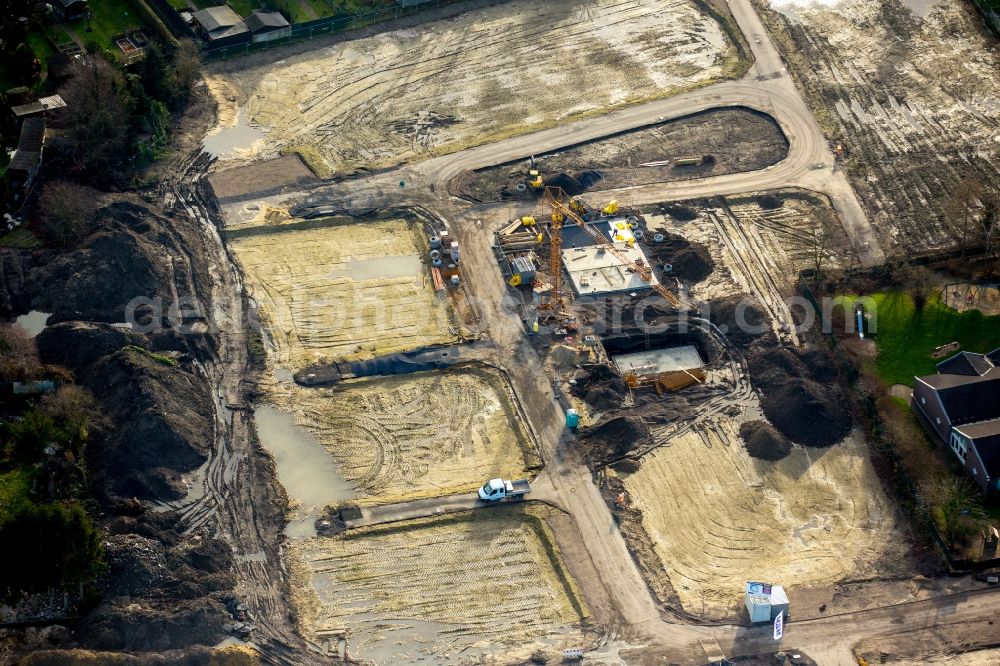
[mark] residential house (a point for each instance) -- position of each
(960, 406)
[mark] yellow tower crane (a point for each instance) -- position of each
(557, 202)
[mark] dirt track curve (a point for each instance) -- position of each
(809, 164)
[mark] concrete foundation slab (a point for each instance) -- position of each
(660, 360)
(594, 270)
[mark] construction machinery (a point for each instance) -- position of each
(556, 198)
(535, 179)
(557, 217)
(611, 208)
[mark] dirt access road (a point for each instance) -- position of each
(767, 88)
(809, 164)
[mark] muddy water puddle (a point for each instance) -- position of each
(307, 472)
(34, 322)
(240, 137)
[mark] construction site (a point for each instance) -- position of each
(531, 377)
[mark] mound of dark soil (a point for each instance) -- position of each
(129, 256)
(770, 202)
(152, 626)
(689, 261)
(78, 345)
(762, 441)
(600, 387)
(169, 415)
(805, 408)
(616, 437)
(681, 213)
(740, 320)
(568, 183)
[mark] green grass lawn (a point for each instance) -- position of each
(110, 18)
(906, 337)
(296, 9)
(244, 7)
(14, 487)
(20, 239)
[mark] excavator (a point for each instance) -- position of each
(557, 200)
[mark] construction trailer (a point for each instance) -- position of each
(764, 601)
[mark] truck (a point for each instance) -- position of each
(502, 490)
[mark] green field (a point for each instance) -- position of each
(14, 488)
(110, 18)
(244, 7)
(906, 337)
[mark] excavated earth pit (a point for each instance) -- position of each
(738, 139)
(444, 590)
(814, 518)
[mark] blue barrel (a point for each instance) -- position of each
(572, 418)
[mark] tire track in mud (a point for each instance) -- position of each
(746, 249)
(237, 496)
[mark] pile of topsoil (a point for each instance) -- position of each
(616, 437)
(689, 261)
(741, 320)
(762, 441)
(601, 388)
(799, 397)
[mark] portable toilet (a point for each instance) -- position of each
(759, 607)
(454, 251)
(572, 418)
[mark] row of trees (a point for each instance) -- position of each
(972, 215)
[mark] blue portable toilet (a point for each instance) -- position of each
(572, 418)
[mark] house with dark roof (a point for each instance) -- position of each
(960, 406)
(217, 23)
(266, 26)
(72, 10)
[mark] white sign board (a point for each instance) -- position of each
(779, 626)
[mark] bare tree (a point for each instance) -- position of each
(990, 221)
(18, 354)
(97, 116)
(187, 66)
(917, 281)
(956, 506)
(66, 211)
(817, 239)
